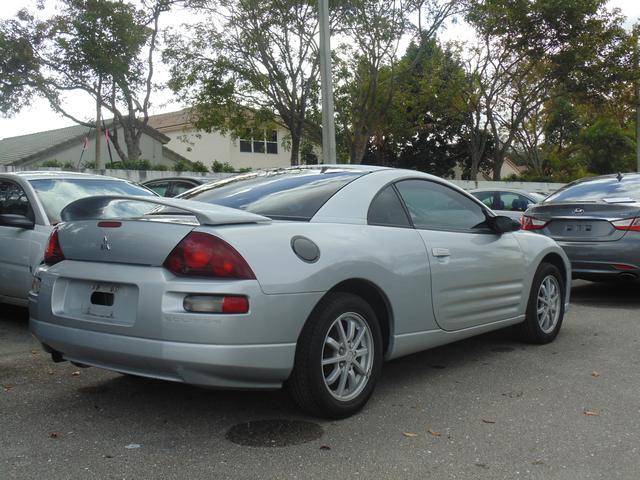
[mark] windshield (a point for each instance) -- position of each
(288, 194)
(57, 193)
(599, 189)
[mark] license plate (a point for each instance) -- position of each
(102, 299)
(578, 228)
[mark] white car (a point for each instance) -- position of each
(307, 277)
(30, 205)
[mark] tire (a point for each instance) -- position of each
(539, 328)
(314, 386)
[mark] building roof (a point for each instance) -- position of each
(171, 121)
(26, 148)
(14, 149)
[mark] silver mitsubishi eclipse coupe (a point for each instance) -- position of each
(307, 277)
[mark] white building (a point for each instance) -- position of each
(75, 146)
(263, 150)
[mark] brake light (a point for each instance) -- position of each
(202, 255)
(627, 224)
(53, 253)
(531, 223)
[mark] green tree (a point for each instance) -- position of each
(249, 64)
(103, 48)
(532, 48)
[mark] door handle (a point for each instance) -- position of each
(440, 252)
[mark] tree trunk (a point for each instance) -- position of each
(295, 147)
(359, 146)
(498, 161)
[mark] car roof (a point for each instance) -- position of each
(45, 174)
(500, 189)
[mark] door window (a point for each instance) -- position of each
(159, 187)
(180, 187)
(433, 206)
(13, 200)
(513, 202)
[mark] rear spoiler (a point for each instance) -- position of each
(92, 208)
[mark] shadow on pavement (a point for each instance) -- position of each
(619, 294)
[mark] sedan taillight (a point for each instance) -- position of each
(531, 223)
(53, 253)
(202, 255)
(627, 224)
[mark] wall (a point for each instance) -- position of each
(144, 175)
(207, 147)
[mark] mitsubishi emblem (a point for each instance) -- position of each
(105, 244)
(577, 211)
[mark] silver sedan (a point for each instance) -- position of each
(303, 277)
(30, 205)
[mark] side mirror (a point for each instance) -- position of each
(18, 221)
(502, 224)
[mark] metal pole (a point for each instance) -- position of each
(328, 121)
(98, 159)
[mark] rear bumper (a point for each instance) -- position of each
(153, 336)
(224, 366)
(596, 260)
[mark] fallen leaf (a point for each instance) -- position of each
(486, 420)
(409, 434)
(591, 413)
(481, 465)
(7, 386)
(325, 447)
(595, 374)
(433, 432)
(76, 373)
(537, 462)
(54, 435)
(35, 352)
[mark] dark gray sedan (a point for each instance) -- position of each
(597, 223)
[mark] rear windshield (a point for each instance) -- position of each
(279, 194)
(57, 193)
(609, 188)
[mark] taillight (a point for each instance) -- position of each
(53, 253)
(627, 224)
(531, 223)
(202, 255)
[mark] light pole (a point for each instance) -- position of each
(328, 122)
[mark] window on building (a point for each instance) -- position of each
(245, 141)
(272, 141)
(259, 141)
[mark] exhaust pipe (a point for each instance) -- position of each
(56, 356)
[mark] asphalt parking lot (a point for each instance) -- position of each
(488, 407)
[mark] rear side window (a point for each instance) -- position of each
(433, 206)
(279, 194)
(386, 209)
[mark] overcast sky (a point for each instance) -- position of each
(40, 117)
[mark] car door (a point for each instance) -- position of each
(477, 275)
(16, 244)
